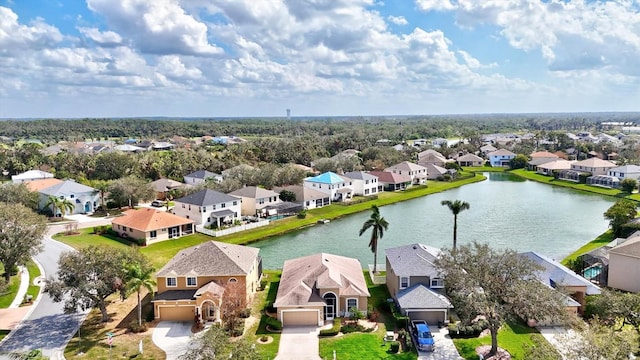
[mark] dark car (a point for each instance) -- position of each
(157, 203)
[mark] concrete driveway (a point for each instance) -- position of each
(299, 343)
(172, 337)
(445, 349)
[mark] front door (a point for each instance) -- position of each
(330, 307)
(173, 232)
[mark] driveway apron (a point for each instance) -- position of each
(299, 343)
(172, 337)
(445, 349)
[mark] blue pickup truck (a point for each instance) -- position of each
(422, 335)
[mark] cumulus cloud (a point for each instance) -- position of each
(103, 38)
(18, 37)
(398, 20)
(435, 5)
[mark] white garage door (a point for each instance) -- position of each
(300, 317)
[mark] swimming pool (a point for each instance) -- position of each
(592, 271)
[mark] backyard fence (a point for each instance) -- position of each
(381, 276)
(231, 230)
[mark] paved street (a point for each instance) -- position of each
(47, 327)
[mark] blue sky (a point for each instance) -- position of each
(119, 58)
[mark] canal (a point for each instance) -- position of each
(506, 212)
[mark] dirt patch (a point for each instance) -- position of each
(265, 340)
(483, 352)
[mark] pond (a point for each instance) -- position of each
(506, 212)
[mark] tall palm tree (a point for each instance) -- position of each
(61, 205)
(65, 205)
(378, 225)
(138, 277)
(456, 208)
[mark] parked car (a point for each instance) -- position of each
(157, 203)
(422, 336)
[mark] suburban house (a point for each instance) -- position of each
(539, 158)
(388, 181)
(209, 208)
(85, 199)
(417, 173)
(560, 277)
(308, 197)
(364, 184)
(151, 225)
(624, 265)
(163, 186)
(431, 157)
(339, 188)
(435, 172)
(415, 283)
(470, 160)
(625, 172)
(501, 158)
(30, 175)
(37, 185)
(200, 176)
(320, 287)
(487, 149)
(256, 199)
(549, 168)
(195, 283)
(128, 148)
(594, 166)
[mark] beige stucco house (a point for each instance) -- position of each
(320, 287)
(255, 199)
(195, 282)
(594, 166)
(151, 225)
(624, 265)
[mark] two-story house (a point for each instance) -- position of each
(195, 283)
(364, 184)
(415, 283)
(625, 172)
(255, 199)
(417, 173)
(209, 207)
(594, 166)
(308, 197)
(339, 188)
(501, 158)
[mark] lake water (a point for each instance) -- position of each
(506, 212)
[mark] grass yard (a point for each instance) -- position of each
(484, 169)
(259, 327)
(6, 297)
(85, 238)
(600, 241)
(515, 338)
(34, 272)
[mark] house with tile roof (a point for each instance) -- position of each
(30, 175)
(256, 199)
(364, 184)
(388, 181)
(39, 184)
(200, 176)
(85, 199)
(501, 158)
(209, 208)
(307, 197)
(415, 283)
(196, 281)
(417, 173)
(149, 226)
(487, 149)
(339, 188)
(558, 276)
(320, 287)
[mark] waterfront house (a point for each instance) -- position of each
(501, 158)
(256, 199)
(470, 160)
(625, 172)
(364, 184)
(149, 226)
(320, 287)
(624, 265)
(195, 283)
(415, 283)
(549, 168)
(307, 197)
(593, 166)
(339, 188)
(417, 173)
(209, 208)
(388, 181)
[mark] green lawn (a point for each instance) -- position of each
(86, 238)
(268, 295)
(484, 169)
(6, 297)
(34, 272)
(514, 338)
(600, 241)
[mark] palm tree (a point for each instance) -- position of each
(138, 277)
(378, 225)
(456, 208)
(61, 205)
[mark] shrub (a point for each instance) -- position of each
(394, 347)
(245, 313)
(467, 331)
(302, 214)
(269, 308)
(237, 329)
(134, 327)
(335, 329)
(347, 329)
(355, 314)
(150, 315)
(274, 324)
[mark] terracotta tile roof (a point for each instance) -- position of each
(37, 185)
(149, 219)
(212, 258)
(302, 277)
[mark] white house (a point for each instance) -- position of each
(85, 199)
(308, 197)
(200, 176)
(30, 175)
(625, 172)
(209, 207)
(337, 187)
(418, 173)
(501, 158)
(364, 184)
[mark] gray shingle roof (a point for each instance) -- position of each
(560, 275)
(254, 192)
(202, 174)
(413, 260)
(206, 197)
(419, 296)
(175, 295)
(66, 188)
(212, 258)
(360, 175)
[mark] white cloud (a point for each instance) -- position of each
(435, 5)
(16, 37)
(398, 20)
(104, 38)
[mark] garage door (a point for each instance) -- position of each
(177, 313)
(431, 317)
(297, 318)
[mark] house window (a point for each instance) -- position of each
(130, 229)
(214, 207)
(71, 196)
(235, 203)
(124, 228)
(437, 283)
(192, 281)
(366, 191)
(261, 201)
(153, 234)
(224, 205)
(352, 303)
(172, 282)
(204, 209)
(404, 282)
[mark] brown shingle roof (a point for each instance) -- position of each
(149, 219)
(543, 154)
(37, 185)
(302, 277)
(630, 248)
(212, 258)
(390, 178)
(595, 163)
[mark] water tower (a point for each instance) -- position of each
(288, 114)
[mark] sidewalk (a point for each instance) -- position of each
(22, 290)
(13, 315)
